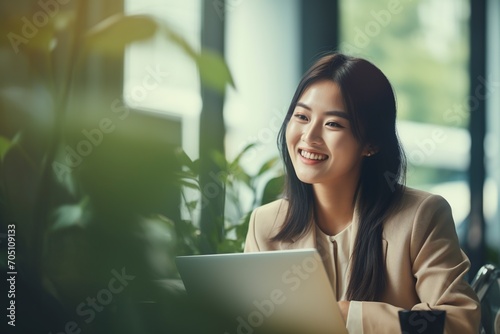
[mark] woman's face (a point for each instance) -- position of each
(320, 142)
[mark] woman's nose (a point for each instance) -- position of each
(312, 134)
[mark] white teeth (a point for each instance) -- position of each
(312, 156)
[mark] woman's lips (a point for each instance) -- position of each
(312, 156)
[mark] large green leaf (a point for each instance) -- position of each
(214, 72)
(70, 214)
(5, 145)
(273, 189)
(236, 160)
(268, 165)
(220, 160)
(238, 173)
(184, 159)
(111, 35)
(178, 40)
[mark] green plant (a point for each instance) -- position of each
(235, 179)
(78, 226)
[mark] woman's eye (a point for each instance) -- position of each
(334, 125)
(300, 117)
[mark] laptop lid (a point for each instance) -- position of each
(276, 291)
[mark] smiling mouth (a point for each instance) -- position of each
(313, 156)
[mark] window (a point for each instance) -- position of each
(422, 46)
(178, 92)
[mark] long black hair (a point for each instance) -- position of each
(370, 100)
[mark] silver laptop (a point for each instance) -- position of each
(265, 292)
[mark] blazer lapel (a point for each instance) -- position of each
(306, 241)
(354, 230)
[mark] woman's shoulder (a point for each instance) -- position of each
(418, 208)
(415, 199)
(270, 216)
(416, 215)
(271, 211)
(264, 224)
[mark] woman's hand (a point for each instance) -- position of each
(344, 308)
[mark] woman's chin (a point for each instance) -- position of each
(307, 179)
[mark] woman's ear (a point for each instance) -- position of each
(370, 150)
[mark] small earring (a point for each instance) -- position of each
(369, 154)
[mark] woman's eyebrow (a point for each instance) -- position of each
(338, 113)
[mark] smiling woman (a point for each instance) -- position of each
(385, 247)
(320, 117)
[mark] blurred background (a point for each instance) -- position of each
(133, 131)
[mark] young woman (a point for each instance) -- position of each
(385, 247)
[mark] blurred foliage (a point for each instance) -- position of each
(236, 218)
(95, 202)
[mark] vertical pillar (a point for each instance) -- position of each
(212, 132)
(475, 243)
(320, 29)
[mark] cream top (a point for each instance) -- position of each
(334, 251)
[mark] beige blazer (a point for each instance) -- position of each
(425, 265)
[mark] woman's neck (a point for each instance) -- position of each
(334, 207)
